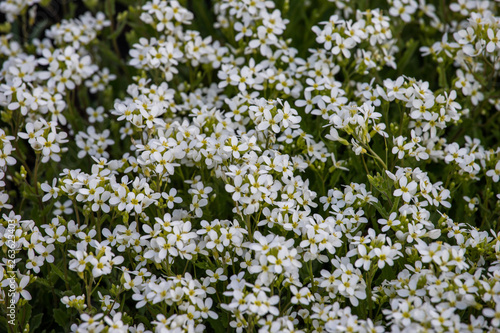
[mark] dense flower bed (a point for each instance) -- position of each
(250, 165)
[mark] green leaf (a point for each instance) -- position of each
(27, 314)
(46, 210)
(38, 29)
(218, 325)
(35, 322)
(108, 54)
(202, 17)
(138, 318)
(3, 323)
(72, 10)
(443, 81)
(119, 28)
(61, 317)
(57, 272)
(380, 209)
(202, 264)
(131, 37)
(388, 273)
(44, 282)
(90, 4)
(76, 288)
(411, 47)
(110, 8)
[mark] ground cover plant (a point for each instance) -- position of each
(250, 166)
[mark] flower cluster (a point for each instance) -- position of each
(296, 166)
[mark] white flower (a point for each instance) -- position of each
(115, 324)
(234, 147)
(218, 275)
(494, 314)
(238, 188)
(406, 190)
(197, 204)
(385, 256)
(171, 198)
(164, 161)
(52, 191)
(390, 222)
(205, 309)
(271, 121)
(495, 173)
(20, 289)
(343, 45)
(100, 202)
(364, 258)
(302, 296)
(134, 202)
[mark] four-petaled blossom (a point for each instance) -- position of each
(406, 190)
